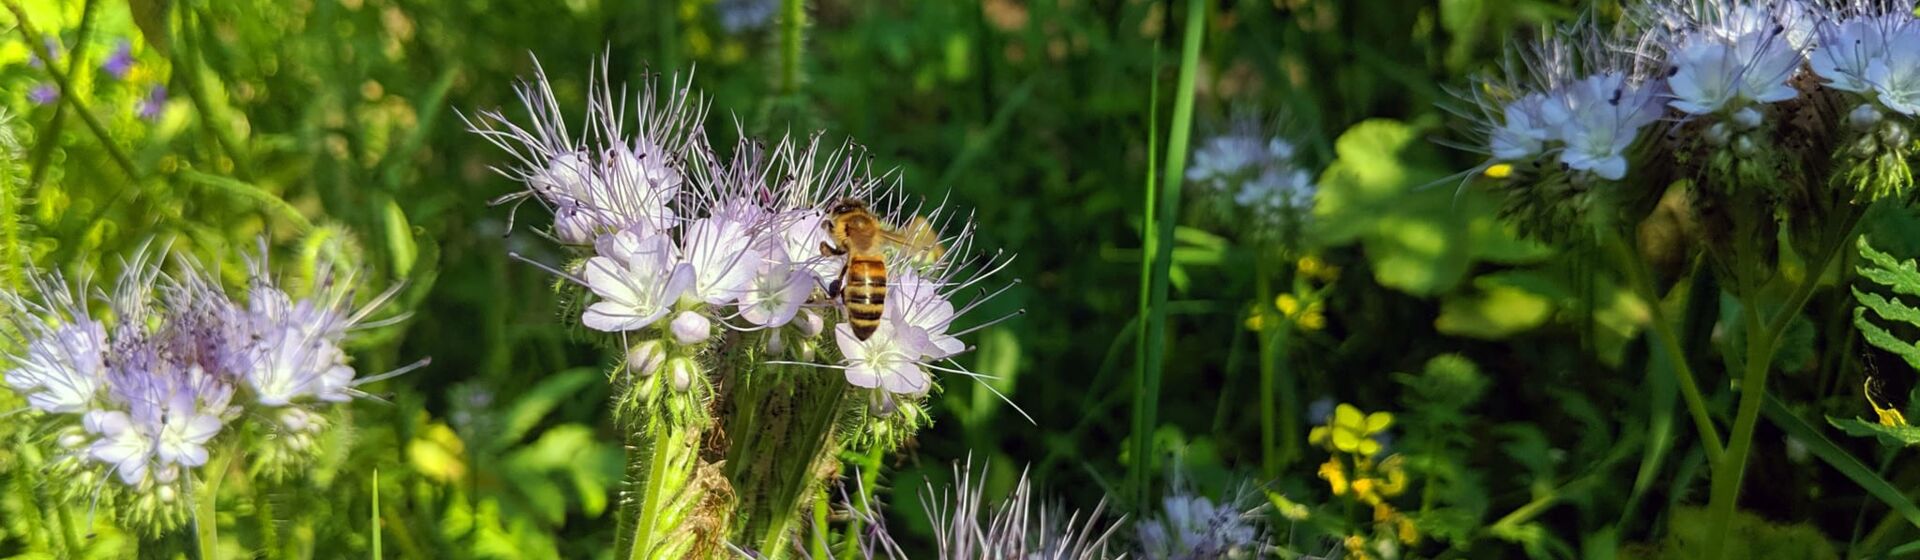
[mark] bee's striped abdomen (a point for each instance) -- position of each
(863, 291)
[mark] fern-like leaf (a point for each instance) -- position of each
(1902, 278)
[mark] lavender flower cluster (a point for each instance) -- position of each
(1254, 177)
(679, 247)
(140, 395)
(1718, 73)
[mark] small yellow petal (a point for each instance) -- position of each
(1287, 304)
(1347, 415)
(1318, 436)
(1348, 441)
(1499, 171)
(1369, 447)
(1379, 421)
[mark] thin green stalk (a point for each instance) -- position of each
(1147, 392)
(251, 192)
(1763, 338)
(76, 60)
(263, 515)
(1663, 330)
(793, 22)
(373, 513)
(817, 546)
(206, 496)
(1263, 292)
(68, 95)
(863, 502)
(212, 117)
(666, 459)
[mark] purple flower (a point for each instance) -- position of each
(888, 359)
(43, 93)
(120, 61)
(745, 15)
(154, 104)
(637, 276)
(53, 47)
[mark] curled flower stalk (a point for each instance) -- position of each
(714, 276)
(155, 396)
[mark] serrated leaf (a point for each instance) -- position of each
(1897, 436)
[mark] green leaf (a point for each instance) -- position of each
(1387, 190)
(1494, 313)
(1897, 436)
(527, 412)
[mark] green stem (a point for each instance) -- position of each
(666, 460)
(862, 502)
(793, 24)
(1269, 324)
(1153, 341)
(1642, 280)
(1763, 338)
(206, 496)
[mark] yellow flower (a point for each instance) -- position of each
(1335, 475)
(1889, 416)
(1357, 548)
(1312, 267)
(1307, 315)
(1395, 480)
(1289, 509)
(1499, 171)
(1351, 431)
(1256, 320)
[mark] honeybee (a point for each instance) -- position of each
(860, 236)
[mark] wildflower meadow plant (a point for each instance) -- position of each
(152, 390)
(713, 278)
(1781, 120)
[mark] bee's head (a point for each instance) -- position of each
(846, 206)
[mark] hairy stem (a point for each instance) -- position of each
(662, 464)
(1663, 331)
(1763, 338)
(793, 23)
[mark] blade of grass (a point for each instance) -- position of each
(373, 514)
(252, 192)
(1160, 245)
(1842, 461)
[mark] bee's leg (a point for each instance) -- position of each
(833, 289)
(830, 251)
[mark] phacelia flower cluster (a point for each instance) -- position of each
(1808, 103)
(1252, 176)
(679, 250)
(141, 394)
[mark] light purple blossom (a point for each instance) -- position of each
(890, 358)
(120, 61)
(637, 277)
(1604, 115)
(43, 93)
(153, 104)
(53, 47)
(1727, 55)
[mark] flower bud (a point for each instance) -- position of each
(645, 358)
(294, 419)
(572, 226)
(166, 493)
(683, 371)
(807, 349)
(1748, 118)
(1744, 146)
(1894, 135)
(811, 324)
(1864, 116)
(1866, 146)
(691, 328)
(73, 439)
(775, 343)
(1718, 134)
